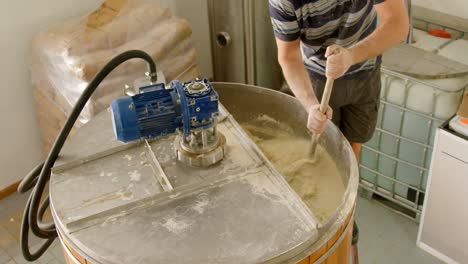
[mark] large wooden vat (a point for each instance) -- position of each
(267, 223)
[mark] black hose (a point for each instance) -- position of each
(25, 237)
(40, 175)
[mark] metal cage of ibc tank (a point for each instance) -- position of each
(400, 180)
(399, 188)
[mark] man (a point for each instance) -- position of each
(338, 39)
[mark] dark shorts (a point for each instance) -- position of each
(355, 236)
(355, 103)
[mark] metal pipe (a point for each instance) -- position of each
(249, 33)
(409, 38)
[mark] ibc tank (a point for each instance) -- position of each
(395, 163)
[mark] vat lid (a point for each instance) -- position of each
(108, 204)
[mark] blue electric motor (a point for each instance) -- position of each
(157, 111)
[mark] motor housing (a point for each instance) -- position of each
(190, 108)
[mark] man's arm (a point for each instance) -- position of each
(295, 73)
(287, 33)
(393, 29)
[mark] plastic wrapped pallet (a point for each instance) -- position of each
(66, 57)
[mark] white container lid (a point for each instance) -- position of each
(456, 50)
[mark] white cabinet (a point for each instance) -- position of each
(444, 226)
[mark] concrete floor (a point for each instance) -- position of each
(11, 212)
(385, 237)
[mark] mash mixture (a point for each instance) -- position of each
(317, 182)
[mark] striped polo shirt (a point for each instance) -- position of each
(321, 23)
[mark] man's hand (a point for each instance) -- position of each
(339, 60)
(316, 121)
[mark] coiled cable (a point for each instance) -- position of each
(38, 178)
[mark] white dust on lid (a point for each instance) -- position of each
(201, 203)
(135, 176)
(102, 174)
(174, 226)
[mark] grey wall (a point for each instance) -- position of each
(19, 136)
